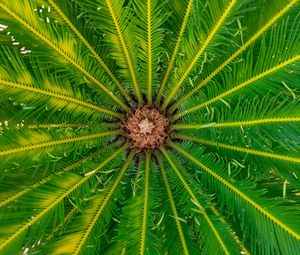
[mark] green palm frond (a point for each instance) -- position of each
(16, 80)
(150, 17)
(214, 10)
(287, 227)
(277, 162)
(61, 8)
(249, 42)
(149, 127)
(249, 113)
(114, 23)
(10, 196)
(138, 213)
(179, 31)
(216, 243)
(64, 47)
(180, 232)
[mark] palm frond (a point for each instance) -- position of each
(214, 242)
(16, 78)
(237, 123)
(29, 88)
(114, 23)
(50, 143)
(101, 206)
(138, 213)
(96, 214)
(145, 210)
(257, 206)
(61, 10)
(48, 199)
(249, 113)
(268, 124)
(292, 162)
(53, 195)
(16, 194)
(174, 210)
(187, 5)
(210, 35)
(150, 35)
(245, 150)
(250, 41)
(25, 15)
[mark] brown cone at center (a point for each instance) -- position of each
(146, 128)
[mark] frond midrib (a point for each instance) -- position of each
(252, 122)
(145, 208)
(58, 142)
(149, 31)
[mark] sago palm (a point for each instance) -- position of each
(149, 127)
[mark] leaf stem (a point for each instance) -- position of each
(236, 123)
(58, 142)
(145, 211)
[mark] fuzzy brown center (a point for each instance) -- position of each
(146, 128)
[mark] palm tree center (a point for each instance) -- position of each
(146, 128)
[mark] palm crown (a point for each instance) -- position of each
(149, 127)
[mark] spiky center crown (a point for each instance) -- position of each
(146, 128)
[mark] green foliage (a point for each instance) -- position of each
(225, 73)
